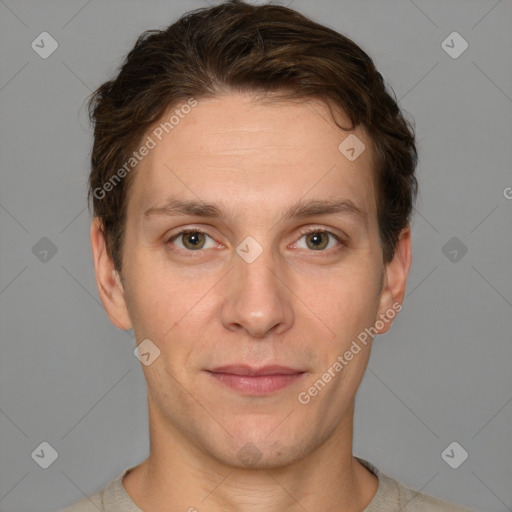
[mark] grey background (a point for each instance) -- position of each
(442, 374)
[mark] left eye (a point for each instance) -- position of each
(193, 240)
(317, 239)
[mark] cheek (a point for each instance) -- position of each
(346, 299)
(150, 298)
(168, 306)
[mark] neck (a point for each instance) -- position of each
(178, 472)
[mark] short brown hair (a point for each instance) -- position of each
(235, 47)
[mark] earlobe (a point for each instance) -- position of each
(108, 281)
(395, 281)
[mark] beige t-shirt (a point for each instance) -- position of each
(391, 496)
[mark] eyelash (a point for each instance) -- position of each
(303, 232)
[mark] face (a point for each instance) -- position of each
(283, 268)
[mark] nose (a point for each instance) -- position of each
(257, 297)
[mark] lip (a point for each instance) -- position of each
(244, 369)
(256, 381)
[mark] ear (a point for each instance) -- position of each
(395, 280)
(108, 281)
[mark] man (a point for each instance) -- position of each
(252, 183)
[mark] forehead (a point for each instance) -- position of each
(242, 151)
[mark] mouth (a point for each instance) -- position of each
(256, 381)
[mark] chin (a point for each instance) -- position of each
(253, 451)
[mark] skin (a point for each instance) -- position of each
(294, 305)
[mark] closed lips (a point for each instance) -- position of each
(245, 370)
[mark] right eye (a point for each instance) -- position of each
(192, 240)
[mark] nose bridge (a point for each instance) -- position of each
(257, 299)
(255, 266)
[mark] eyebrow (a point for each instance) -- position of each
(300, 210)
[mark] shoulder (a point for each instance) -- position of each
(393, 495)
(420, 502)
(111, 499)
